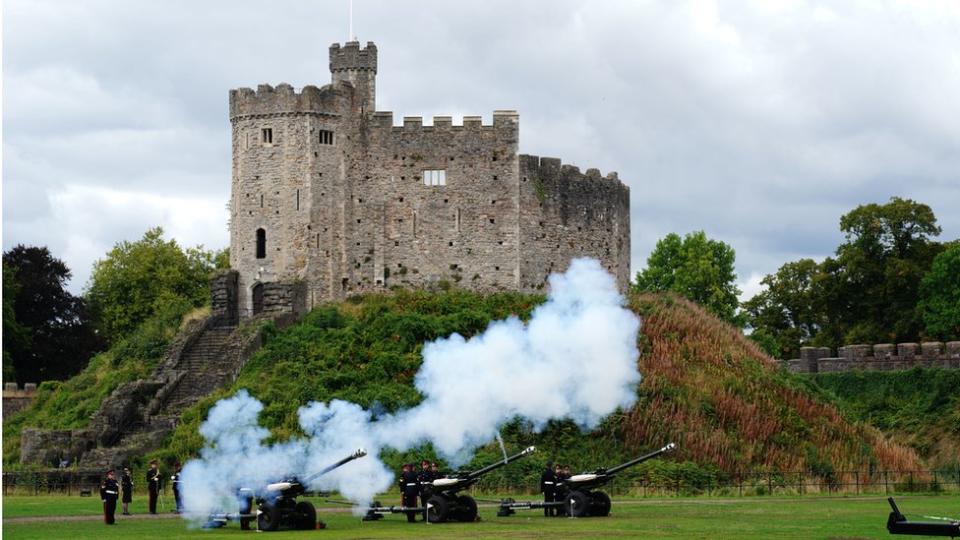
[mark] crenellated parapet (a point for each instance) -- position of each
(268, 101)
(413, 125)
(879, 357)
(350, 56)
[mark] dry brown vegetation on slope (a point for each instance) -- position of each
(726, 403)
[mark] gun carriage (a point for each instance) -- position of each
(578, 495)
(277, 505)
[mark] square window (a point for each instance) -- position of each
(266, 136)
(435, 177)
(326, 137)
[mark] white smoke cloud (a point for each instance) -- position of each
(576, 358)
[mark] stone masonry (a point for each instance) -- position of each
(880, 357)
(330, 198)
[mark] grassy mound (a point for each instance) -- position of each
(705, 387)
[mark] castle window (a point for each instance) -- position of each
(266, 136)
(435, 178)
(298, 199)
(261, 244)
(326, 137)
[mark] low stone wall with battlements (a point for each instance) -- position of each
(16, 399)
(879, 357)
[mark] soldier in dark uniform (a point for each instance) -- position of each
(548, 482)
(175, 482)
(126, 482)
(425, 478)
(109, 491)
(153, 485)
(409, 488)
(558, 474)
(435, 469)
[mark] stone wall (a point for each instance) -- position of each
(339, 192)
(879, 357)
(223, 298)
(16, 399)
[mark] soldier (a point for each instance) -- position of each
(435, 469)
(126, 482)
(109, 490)
(548, 481)
(425, 478)
(153, 485)
(558, 491)
(409, 489)
(175, 482)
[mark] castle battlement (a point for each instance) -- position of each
(501, 119)
(879, 357)
(549, 167)
(284, 98)
(351, 56)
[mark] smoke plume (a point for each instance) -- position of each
(576, 358)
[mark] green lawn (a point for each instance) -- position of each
(769, 517)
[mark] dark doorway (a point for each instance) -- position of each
(257, 298)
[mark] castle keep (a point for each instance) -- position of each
(330, 198)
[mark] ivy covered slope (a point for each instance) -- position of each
(68, 404)
(705, 387)
(919, 407)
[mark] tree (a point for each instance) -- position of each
(939, 304)
(50, 334)
(137, 279)
(694, 267)
(784, 315)
(15, 336)
(887, 251)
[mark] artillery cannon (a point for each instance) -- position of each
(577, 495)
(444, 502)
(897, 524)
(277, 503)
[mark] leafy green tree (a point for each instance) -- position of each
(784, 315)
(887, 251)
(15, 336)
(48, 334)
(939, 304)
(695, 267)
(137, 279)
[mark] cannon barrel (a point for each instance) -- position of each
(493, 466)
(614, 470)
(359, 453)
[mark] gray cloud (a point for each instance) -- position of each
(759, 122)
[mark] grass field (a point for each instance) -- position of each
(769, 517)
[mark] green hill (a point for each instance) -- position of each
(705, 387)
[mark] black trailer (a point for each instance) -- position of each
(897, 524)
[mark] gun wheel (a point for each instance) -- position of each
(577, 504)
(438, 509)
(601, 504)
(306, 516)
(269, 518)
(467, 508)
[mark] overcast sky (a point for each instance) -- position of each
(759, 122)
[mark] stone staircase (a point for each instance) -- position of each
(137, 417)
(207, 365)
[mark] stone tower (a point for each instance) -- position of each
(331, 198)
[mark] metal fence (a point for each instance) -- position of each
(724, 485)
(771, 483)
